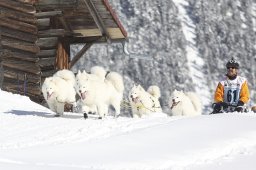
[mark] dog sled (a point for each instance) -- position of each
(229, 109)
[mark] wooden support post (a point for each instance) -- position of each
(79, 54)
(62, 57)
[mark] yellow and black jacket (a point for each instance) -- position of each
(232, 91)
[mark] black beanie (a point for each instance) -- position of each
(232, 63)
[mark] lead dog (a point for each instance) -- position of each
(98, 93)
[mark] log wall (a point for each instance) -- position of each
(21, 73)
(29, 47)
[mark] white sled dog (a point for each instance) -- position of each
(144, 102)
(97, 73)
(59, 90)
(185, 104)
(99, 93)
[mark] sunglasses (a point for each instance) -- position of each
(231, 68)
(232, 61)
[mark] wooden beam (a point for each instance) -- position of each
(88, 32)
(21, 55)
(43, 23)
(28, 1)
(114, 33)
(17, 25)
(115, 17)
(48, 14)
(18, 6)
(63, 53)
(65, 24)
(21, 46)
(55, 4)
(16, 34)
(15, 75)
(54, 33)
(47, 53)
(45, 62)
(84, 40)
(45, 68)
(79, 54)
(97, 18)
(28, 67)
(82, 24)
(32, 89)
(47, 73)
(19, 16)
(47, 43)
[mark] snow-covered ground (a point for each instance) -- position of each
(32, 138)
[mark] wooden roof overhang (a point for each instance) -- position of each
(83, 21)
(78, 21)
(35, 37)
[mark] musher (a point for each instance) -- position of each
(232, 93)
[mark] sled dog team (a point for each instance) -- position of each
(99, 89)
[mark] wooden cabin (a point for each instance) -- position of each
(35, 38)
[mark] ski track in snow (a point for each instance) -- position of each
(29, 132)
(71, 128)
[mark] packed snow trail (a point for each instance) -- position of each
(32, 138)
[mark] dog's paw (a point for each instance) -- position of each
(85, 116)
(92, 113)
(57, 115)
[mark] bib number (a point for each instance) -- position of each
(232, 96)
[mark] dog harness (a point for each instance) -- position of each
(141, 105)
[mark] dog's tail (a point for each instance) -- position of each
(154, 91)
(99, 71)
(195, 101)
(67, 75)
(117, 80)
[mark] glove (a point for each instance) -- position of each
(240, 103)
(224, 105)
(239, 107)
(218, 106)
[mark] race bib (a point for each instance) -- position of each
(232, 90)
(231, 95)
